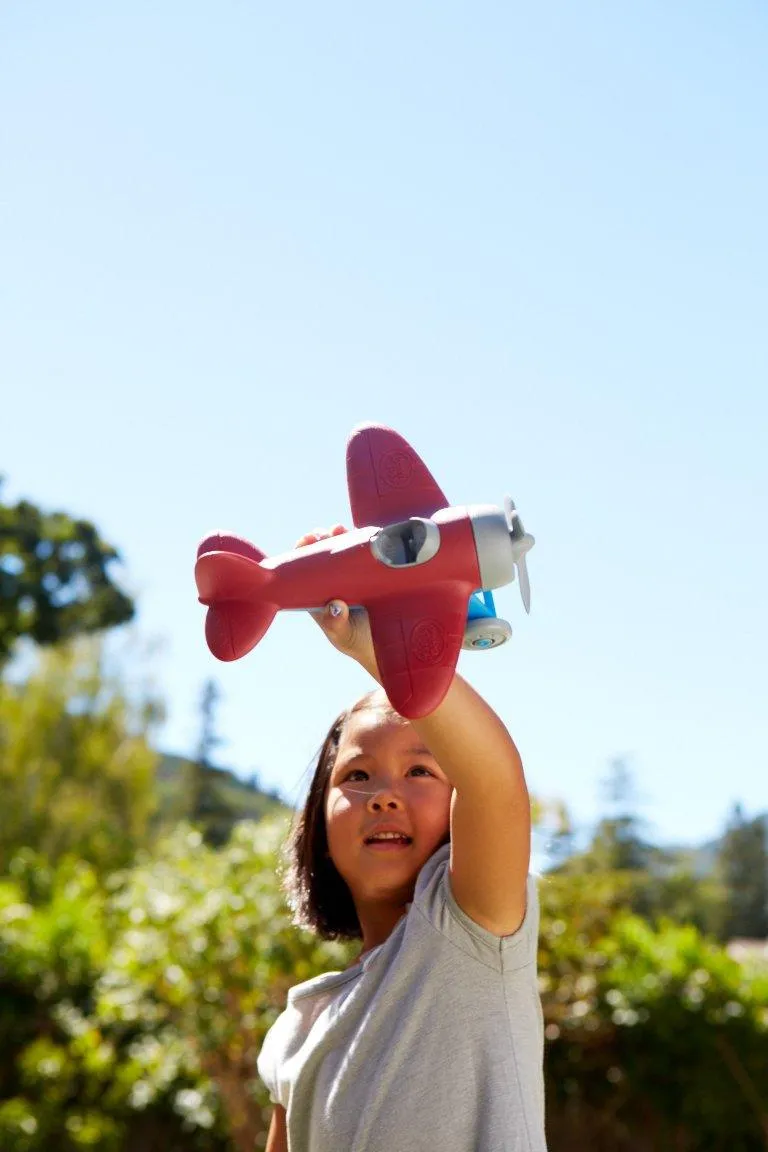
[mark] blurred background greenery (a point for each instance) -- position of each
(145, 947)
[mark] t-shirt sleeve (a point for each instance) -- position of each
(267, 1061)
(435, 900)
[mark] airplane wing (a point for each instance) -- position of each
(417, 639)
(387, 480)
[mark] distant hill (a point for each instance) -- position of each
(702, 858)
(231, 798)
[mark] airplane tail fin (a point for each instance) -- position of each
(232, 583)
(227, 542)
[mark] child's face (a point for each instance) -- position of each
(383, 775)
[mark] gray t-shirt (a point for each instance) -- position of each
(433, 1042)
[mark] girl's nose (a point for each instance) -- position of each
(384, 798)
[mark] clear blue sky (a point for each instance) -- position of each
(532, 238)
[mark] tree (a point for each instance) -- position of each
(656, 883)
(207, 807)
(76, 767)
(54, 579)
(617, 843)
(743, 866)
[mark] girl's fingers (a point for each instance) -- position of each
(319, 534)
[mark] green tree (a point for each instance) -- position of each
(208, 807)
(743, 865)
(54, 578)
(655, 882)
(76, 766)
(618, 844)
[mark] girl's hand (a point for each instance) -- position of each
(347, 629)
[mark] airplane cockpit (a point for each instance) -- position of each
(410, 542)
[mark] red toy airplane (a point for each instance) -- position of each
(412, 561)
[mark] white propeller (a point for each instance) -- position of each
(522, 542)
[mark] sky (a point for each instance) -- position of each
(530, 238)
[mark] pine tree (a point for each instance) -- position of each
(207, 808)
(617, 844)
(743, 866)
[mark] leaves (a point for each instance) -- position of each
(156, 989)
(652, 1030)
(54, 579)
(76, 767)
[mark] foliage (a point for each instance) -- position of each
(743, 866)
(54, 578)
(208, 809)
(210, 950)
(76, 766)
(617, 844)
(656, 883)
(132, 1010)
(656, 1038)
(136, 988)
(65, 1082)
(131, 1014)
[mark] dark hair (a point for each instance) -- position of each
(317, 894)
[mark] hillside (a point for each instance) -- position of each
(702, 858)
(228, 798)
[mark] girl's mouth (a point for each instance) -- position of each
(389, 843)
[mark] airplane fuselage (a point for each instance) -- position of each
(345, 566)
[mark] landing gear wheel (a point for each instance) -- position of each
(481, 634)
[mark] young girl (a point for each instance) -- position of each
(415, 838)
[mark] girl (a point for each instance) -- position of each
(415, 838)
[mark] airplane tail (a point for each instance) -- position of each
(232, 630)
(232, 583)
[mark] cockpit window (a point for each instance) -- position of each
(411, 542)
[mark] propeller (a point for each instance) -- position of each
(522, 542)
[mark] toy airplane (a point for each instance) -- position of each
(412, 561)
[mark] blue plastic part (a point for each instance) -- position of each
(478, 609)
(481, 609)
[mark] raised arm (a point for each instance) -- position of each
(490, 811)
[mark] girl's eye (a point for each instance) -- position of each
(356, 772)
(421, 768)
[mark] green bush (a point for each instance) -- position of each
(132, 1011)
(66, 1081)
(657, 1039)
(205, 946)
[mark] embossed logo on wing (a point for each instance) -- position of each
(396, 469)
(428, 641)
